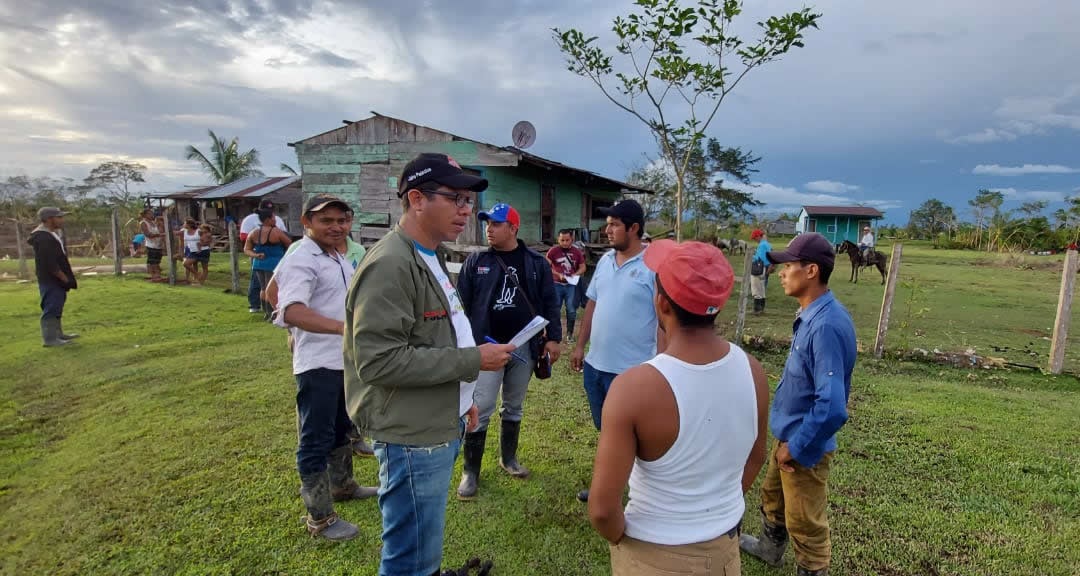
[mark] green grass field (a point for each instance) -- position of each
(163, 441)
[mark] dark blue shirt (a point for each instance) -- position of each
(810, 404)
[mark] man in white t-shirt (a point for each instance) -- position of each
(412, 362)
(247, 226)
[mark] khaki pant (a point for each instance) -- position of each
(718, 557)
(757, 287)
(798, 501)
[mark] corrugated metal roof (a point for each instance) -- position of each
(186, 194)
(843, 211)
(252, 187)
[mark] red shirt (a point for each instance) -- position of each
(566, 262)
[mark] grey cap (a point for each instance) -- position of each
(47, 212)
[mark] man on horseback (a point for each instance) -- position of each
(866, 246)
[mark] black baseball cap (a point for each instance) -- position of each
(319, 202)
(806, 247)
(438, 168)
(266, 204)
(629, 211)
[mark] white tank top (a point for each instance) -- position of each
(152, 228)
(693, 493)
(191, 241)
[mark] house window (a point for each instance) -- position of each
(831, 228)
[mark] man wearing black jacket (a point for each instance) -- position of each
(54, 275)
(502, 289)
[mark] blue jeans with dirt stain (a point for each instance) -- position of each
(413, 486)
(597, 384)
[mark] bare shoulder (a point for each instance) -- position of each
(638, 388)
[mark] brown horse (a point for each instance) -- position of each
(875, 259)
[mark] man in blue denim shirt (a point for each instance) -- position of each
(809, 407)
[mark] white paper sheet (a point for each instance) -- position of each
(572, 280)
(528, 332)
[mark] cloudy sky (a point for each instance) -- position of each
(889, 103)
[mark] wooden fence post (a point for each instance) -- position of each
(1064, 312)
(743, 296)
(886, 302)
(24, 272)
(234, 258)
(168, 251)
(118, 259)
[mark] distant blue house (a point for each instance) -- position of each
(838, 223)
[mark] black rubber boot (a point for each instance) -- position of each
(60, 329)
(470, 471)
(770, 549)
(804, 572)
(50, 332)
(508, 443)
(570, 329)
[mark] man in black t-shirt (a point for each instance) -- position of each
(502, 289)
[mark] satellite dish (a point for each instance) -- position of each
(524, 134)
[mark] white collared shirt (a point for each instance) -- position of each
(320, 281)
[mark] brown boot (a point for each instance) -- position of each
(342, 485)
(321, 520)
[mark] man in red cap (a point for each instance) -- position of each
(686, 429)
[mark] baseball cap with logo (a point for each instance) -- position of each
(695, 275)
(320, 202)
(806, 247)
(501, 213)
(46, 212)
(438, 168)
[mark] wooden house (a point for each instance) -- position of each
(838, 223)
(362, 161)
(212, 204)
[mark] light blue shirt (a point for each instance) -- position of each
(624, 320)
(763, 248)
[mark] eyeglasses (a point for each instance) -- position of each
(459, 199)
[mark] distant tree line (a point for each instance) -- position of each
(994, 229)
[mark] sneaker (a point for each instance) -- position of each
(583, 496)
(570, 340)
(254, 310)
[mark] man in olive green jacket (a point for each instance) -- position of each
(411, 362)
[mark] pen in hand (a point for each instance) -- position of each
(491, 340)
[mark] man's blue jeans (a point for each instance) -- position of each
(597, 384)
(413, 485)
(254, 302)
(567, 294)
(53, 298)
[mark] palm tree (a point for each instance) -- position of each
(287, 169)
(228, 163)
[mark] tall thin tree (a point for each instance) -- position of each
(225, 163)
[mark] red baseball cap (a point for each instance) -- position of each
(695, 275)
